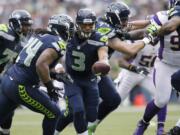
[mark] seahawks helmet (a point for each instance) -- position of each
(61, 25)
(117, 13)
(18, 19)
(85, 16)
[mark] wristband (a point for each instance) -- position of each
(59, 65)
(146, 41)
(132, 68)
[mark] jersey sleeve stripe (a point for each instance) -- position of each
(56, 46)
(156, 19)
(7, 36)
(96, 43)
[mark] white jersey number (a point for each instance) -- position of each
(31, 47)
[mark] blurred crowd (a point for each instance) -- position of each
(41, 10)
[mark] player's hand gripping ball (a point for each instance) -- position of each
(101, 68)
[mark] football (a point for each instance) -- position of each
(100, 68)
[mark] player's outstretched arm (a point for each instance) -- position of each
(170, 26)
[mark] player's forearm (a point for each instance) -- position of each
(136, 34)
(139, 24)
(136, 47)
(169, 27)
(103, 54)
(43, 72)
(42, 65)
(124, 47)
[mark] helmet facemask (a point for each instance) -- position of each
(21, 22)
(61, 25)
(117, 14)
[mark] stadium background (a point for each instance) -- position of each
(41, 10)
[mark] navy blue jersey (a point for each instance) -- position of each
(24, 71)
(105, 28)
(8, 40)
(175, 11)
(81, 55)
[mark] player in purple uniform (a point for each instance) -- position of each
(169, 56)
(20, 82)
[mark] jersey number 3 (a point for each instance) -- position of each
(79, 61)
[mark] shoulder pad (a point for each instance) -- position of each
(5, 34)
(98, 39)
(103, 27)
(160, 18)
(3, 27)
(60, 45)
(104, 39)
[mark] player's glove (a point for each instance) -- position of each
(138, 70)
(153, 29)
(151, 34)
(150, 39)
(62, 77)
(53, 92)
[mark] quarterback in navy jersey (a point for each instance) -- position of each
(83, 50)
(20, 82)
(110, 97)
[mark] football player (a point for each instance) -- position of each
(112, 24)
(84, 49)
(11, 37)
(116, 17)
(167, 62)
(20, 82)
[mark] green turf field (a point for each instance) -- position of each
(121, 122)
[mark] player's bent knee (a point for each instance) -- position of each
(92, 113)
(116, 100)
(161, 103)
(113, 102)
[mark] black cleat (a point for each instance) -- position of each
(174, 131)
